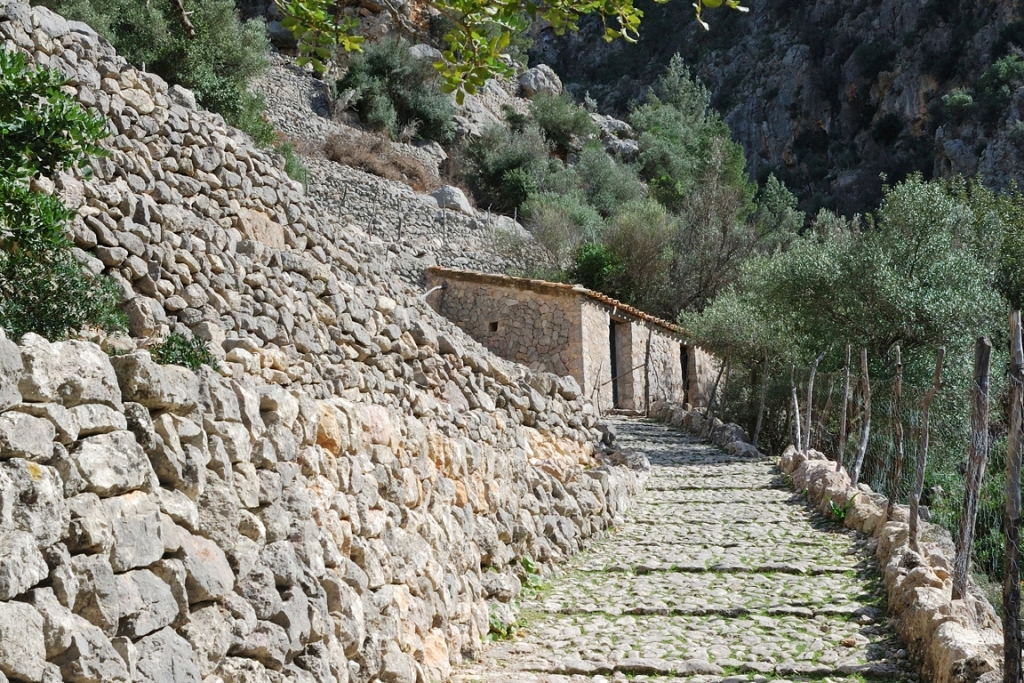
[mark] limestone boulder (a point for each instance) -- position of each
(112, 464)
(81, 650)
(540, 80)
(97, 600)
(32, 500)
(22, 564)
(157, 387)
(24, 436)
(208, 573)
(22, 644)
(10, 374)
(450, 197)
(146, 603)
(70, 372)
(166, 657)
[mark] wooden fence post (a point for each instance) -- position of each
(709, 415)
(922, 455)
(1011, 523)
(810, 401)
(897, 416)
(760, 407)
(866, 430)
(796, 406)
(975, 466)
(842, 417)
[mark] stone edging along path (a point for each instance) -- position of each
(953, 641)
(719, 572)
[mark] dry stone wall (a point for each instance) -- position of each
(416, 231)
(347, 498)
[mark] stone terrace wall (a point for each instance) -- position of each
(345, 500)
(538, 330)
(417, 232)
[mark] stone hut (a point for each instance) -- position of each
(621, 357)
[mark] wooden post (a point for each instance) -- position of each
(822, 427)
(810, 402)
(760, 407)
(922, 454)
(705, 429)
(1011, 523)
(796, 406)
(865, 433)
(897, 417)
(846, 407)
(647, 375)
(975, 466)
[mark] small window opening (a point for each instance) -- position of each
(493, 327)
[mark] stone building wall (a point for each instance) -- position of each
(664, 369)
(703, 370)
(541, 331)
(597, 366)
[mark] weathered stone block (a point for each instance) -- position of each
(112, 463)
(24, 436)
(166, 657)
(22, 565)
(138, 533)
(70, 372)
(22, 645)
(146, 603)
(158, 387)
(208, 573)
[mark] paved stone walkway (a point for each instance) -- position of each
(720, 573)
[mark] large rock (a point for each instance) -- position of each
(97, 599)
(146, 603)
(158, 387)
(540, 80)
(165, 657)
(81, 650)
(24, 436)
(22, 646)
(22, 565)
(449, 197)
(70, 372)
(209, 574)
(209, 631)
(137, 529)
(32, 500)
(112, 463)
(10, 373)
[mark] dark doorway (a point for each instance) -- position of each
(684, 363)
(613, 352)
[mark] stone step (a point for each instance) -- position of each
(778, 644)
(709, 593)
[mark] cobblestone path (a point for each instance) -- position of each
(720, 573)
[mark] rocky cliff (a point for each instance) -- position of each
(830, 94)
(352, 496)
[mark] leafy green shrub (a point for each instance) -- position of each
(293, 165)
(217, 63)
(502, 167)
(560, 222)
(595, 266)
(561, 120)
(395, 91)
(957, 104)
(43, 289)
(177, 349)
(996, 86)
(606, 183)
(46, 291)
